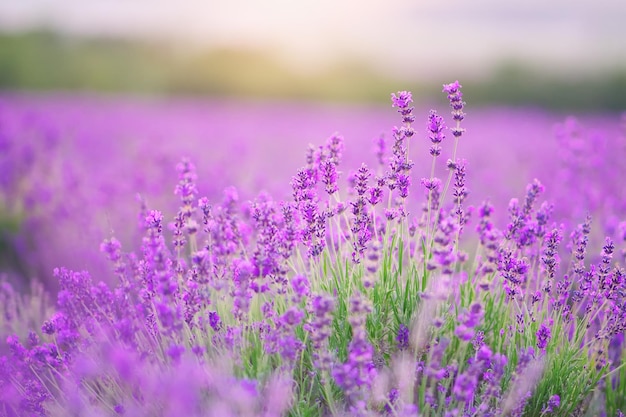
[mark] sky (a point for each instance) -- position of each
(402, 37)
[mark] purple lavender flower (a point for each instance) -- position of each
(580, 240)
(334, 148)
(460, 190)
(392, 399)
(356, 375)
(492, 378)
(435, 132)
(402, 100)
(266, 256)
(543, 335)
(403, 337)
(187, 190)
(521, 229)
(112, 247)
(400, 164)
(329, 176)
(468, 321)
(284, 340)
(361, 179)
(361, 221)
(431, 183)
(242, 273)
(464, 387)
(443, 248)
(175, 352)
(300, 285)
(455, 96)
(313, 232)
(553, 403)
(403, 182)
(380, 149)
(514, 272)
(375, 195)
(550, 258)
(319, 329)
(215, 321)
(186, 186)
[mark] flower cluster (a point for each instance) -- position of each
(329, 303)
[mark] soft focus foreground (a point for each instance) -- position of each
(378, 289)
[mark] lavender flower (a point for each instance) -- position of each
(319, 328)
(300, 285)
(361, 222)
(455, 96)
(380, 149)
(402, 100)
(435, 132)
(400, 164)
(356, 375)
(543, 335)
(403, 337)
(334, 147)
(329, 176)
(460, 191)
(553, 403)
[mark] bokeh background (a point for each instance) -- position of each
(101, 98)
(559, 54)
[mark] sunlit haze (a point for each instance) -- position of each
(402, 37)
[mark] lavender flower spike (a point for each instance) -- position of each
(435, 132)
(456, 102)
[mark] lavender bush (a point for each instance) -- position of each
(366, 292)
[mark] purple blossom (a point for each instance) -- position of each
(215, 321)
(403, 337)
(435, 132)
(319, 328)
(380, 149)
(329, 176)
(113, 248)
(334, 147)
(464, 387)
(455, 96)
(300, 286)
(403, 182)
(175, 352)
(400, 164)
(242, 273)
(186, 186)
(431, 183)
(284, 340)
(356, 375)
(553, 403)
(543, 335)
(550, 258)
(375, 195)
(460, 191)
(401, 99)
(361, 221)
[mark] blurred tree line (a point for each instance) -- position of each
(48, 61)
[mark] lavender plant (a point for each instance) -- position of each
(338, 301)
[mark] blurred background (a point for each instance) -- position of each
(557, 54)
(99, 100)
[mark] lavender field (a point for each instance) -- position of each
(266, 258)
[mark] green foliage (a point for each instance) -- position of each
(48, 61)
